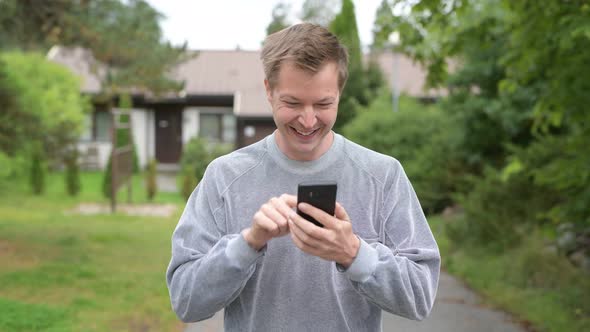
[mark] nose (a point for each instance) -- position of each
(308, 118)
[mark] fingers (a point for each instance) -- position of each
(273, 213)
(301, 238)
(341, 213)
(290, 200)
(262, 223)
(322, 217)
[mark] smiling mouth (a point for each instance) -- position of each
(305, 134)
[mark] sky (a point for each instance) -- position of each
(228, 24)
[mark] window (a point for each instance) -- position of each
(210, 127)
(218, 127)
(102, 126)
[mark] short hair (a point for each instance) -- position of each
(309, 46)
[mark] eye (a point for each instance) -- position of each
(324, 105)
(291, 103)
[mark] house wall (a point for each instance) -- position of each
(150, 135)
(139, 130)
(95, 154)
(190, 124)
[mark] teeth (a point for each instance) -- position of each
(305, 133)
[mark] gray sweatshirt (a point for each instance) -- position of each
(281, 288)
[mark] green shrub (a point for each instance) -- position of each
(195, 157)
(37, 173)
(72, 173)
(151, 179)
(499, 210)
(107, 179)
(421, 137)
(189, 182)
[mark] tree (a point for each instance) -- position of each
(319, 12)
(519, 90)
(125, 36)
(46, 107)
(383, 26)
(279, 18)
(344, 26)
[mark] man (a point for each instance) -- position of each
(239, 244)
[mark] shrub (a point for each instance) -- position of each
(107, 179)
(500, 210)
(151, 179)
(72, 173)
(189, 182)
(421, 138)
(196, 156)
(37, 173)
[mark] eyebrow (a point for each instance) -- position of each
(323, 100)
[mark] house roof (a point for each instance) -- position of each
(238, 73)
(235, 72)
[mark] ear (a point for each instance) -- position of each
(268, 91)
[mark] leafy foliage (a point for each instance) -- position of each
(151, 184)
(279, 18)
(47, 109)
(72, 177)
(355, 91)
(420, 137)
(196, 156)
(37, 176)
(319, 12)
(123, 35)
(517, 91)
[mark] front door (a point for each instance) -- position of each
(168, 135)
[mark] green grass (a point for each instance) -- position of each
(539, 287)
(61, 271)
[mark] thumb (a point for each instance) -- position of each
(340, 213)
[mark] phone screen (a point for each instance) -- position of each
(322, 196)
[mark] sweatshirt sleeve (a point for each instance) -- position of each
(208, 268)
(399, 273)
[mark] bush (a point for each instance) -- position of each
(421, 138)
(72, 173)
(151, 179)
(37, 173)
(189, 182)
(107, 179)
(196, 156)
(499, 210)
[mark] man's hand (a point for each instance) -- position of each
(335, 242)
(270, 221)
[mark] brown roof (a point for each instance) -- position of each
(237, 73)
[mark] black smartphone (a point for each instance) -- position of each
(320, 195)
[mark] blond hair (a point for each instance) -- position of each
(309, 46)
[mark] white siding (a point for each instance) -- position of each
(190, 123)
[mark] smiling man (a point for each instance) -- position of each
(240, 246)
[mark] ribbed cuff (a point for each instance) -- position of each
(239, 251)
(364, 264)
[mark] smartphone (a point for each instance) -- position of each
(320, 195)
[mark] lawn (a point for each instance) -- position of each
(61, 271)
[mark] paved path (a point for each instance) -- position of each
(457, 309)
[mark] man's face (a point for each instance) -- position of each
(304, 107)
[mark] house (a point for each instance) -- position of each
(223, 100)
